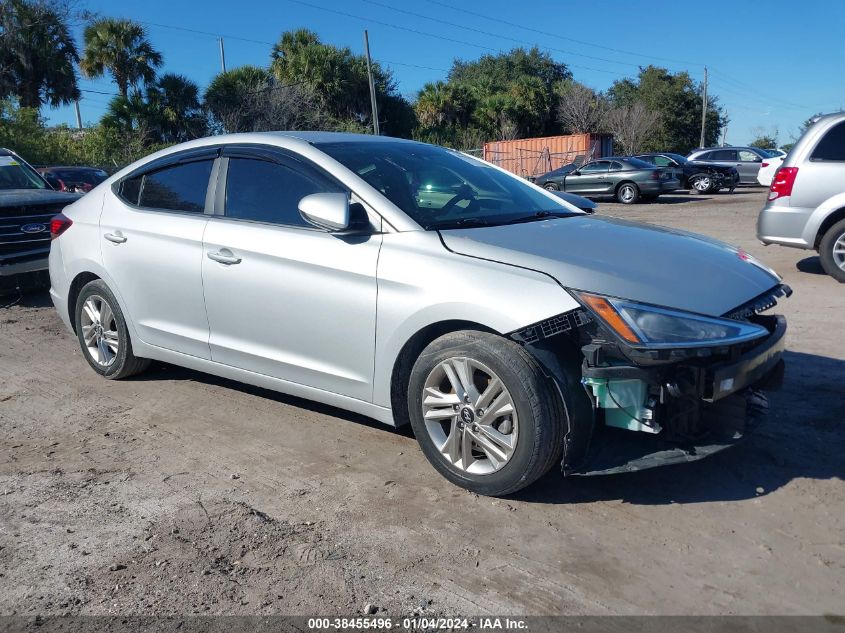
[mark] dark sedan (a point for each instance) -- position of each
(73, 179)
(697, 177)
(626, 179)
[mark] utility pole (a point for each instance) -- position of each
(372, 84)
(703, 108)
(222, 55)
(78, 115)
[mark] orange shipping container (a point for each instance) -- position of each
(529, 157)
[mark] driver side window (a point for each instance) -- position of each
(597, 166)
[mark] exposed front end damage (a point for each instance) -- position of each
(632, 407)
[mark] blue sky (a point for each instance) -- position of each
(771, 64)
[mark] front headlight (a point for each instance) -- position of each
(642, 325)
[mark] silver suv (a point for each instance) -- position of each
(746, 160)
(806, 205)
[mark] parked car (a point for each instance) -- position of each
(747, 160)
(625, 178)
(76, 179)
(585, 204)
(27, 204)
(806, 205)
(774, 152)
(699, 177)
(511, 330)
(768, 168)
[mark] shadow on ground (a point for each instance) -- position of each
(812, 265)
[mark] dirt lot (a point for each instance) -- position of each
(179, 493)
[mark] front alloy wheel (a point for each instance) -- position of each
(484, 413)
(469, 415)
(701, 184)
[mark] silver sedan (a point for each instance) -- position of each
(414, 284)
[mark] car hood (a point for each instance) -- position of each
(20, 197)
(645, 263)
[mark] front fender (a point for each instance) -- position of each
(421, 283)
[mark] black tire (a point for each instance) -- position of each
(622, 193)
(829, 240)
(550, 186)
(124, 362)
(541, 416)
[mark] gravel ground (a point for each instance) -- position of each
(179, 493)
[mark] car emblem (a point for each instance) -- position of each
(467, 415)
(33, 228)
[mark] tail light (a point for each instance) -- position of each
(782, 182)
(59, 224)
(764, 165)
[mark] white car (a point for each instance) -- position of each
(768, 168)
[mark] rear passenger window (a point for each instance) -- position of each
(130, 189)
(723, 154)
(832, 146)
(177, 188)
(262, 191)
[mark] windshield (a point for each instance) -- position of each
(636, 163)
(16, 175)
(440, 188)
(681, 160)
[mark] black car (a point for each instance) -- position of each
(74, 179)
(697, 177)
(27, 204)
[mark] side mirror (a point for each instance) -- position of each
(576, 172)
(329, 211)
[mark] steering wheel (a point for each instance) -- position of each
(464, 193)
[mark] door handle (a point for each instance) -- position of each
(224, 256)
(117, 238)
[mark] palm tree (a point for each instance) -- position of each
(37, 55)
(227, 98)
(177, 105)
(120, 47)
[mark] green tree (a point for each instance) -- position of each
(338, 78)
(224, 98)
(176, 102)
(764, 142)
(676, 99)
(37, 54)
(121, 48)
(515, 91)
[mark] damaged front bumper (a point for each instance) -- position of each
(655, 409)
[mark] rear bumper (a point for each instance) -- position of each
(784, 225)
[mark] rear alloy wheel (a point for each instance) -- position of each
(700, 184)
(483, 412)
(628, 193)
(832, 251)
(103, 337)
(550, 186)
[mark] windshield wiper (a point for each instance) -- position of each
(541, 215)
(460, 223)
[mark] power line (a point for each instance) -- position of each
(198, 32)
(496, 35)
(433, 35)
(560, 37)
